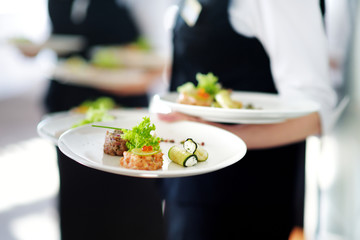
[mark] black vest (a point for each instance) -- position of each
(212, 45)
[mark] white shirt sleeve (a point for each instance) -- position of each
(293, 36)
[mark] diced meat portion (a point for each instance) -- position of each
(114, 145)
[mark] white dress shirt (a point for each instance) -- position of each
(293, 36)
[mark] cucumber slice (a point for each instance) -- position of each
(192, 147)
(182, 157)
(224, 100)
(201, 154)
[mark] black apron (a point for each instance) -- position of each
(261, 194)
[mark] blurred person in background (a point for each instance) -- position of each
(95, 204)
(259, 46)
(338, 164)
(339, 20)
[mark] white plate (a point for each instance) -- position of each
(86, 75)
(271, 108)
(130, 57)
(64, 44)
(53, 125)
(85, 145)
(243, 120)
(59, 43)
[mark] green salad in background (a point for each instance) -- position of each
(96, 111)
(208, 92)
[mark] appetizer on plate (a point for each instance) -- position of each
(189, 154)
(139, 147)
(122, 56)
(144, 151)
(208, 93)
(193, 147)
(134, 55)
(114, 145)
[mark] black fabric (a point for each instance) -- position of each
(106, 22)
(212, 45)
(62, 97)
(322, 7)
(260, 196)
(97, 205)
(262, 191)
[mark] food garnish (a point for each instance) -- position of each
(139, 136)
(114, 145)
(95, 111)
(143, 147)
(209, 93)
(188, 154)
(101, 102)
(203, 94)
(95, 115)
(106, 58)
(223, 98)
(193, 147)
(179, 155)
(142, 152)
(209, 83)
(112, 57)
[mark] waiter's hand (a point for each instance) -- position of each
(139, 87)
(177, 116)
(29, 50)
(262, 136)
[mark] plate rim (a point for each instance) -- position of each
(242, 112)
(48, 118)
(65, 114)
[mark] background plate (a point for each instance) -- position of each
(270, 108)
(55, 124)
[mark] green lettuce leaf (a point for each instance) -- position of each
(209, 82)
(140, 135)
(95, 115)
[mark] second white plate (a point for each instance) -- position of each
(269, 108)
(55, 124)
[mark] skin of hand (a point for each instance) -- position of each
(29, 50)
(262, 136)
